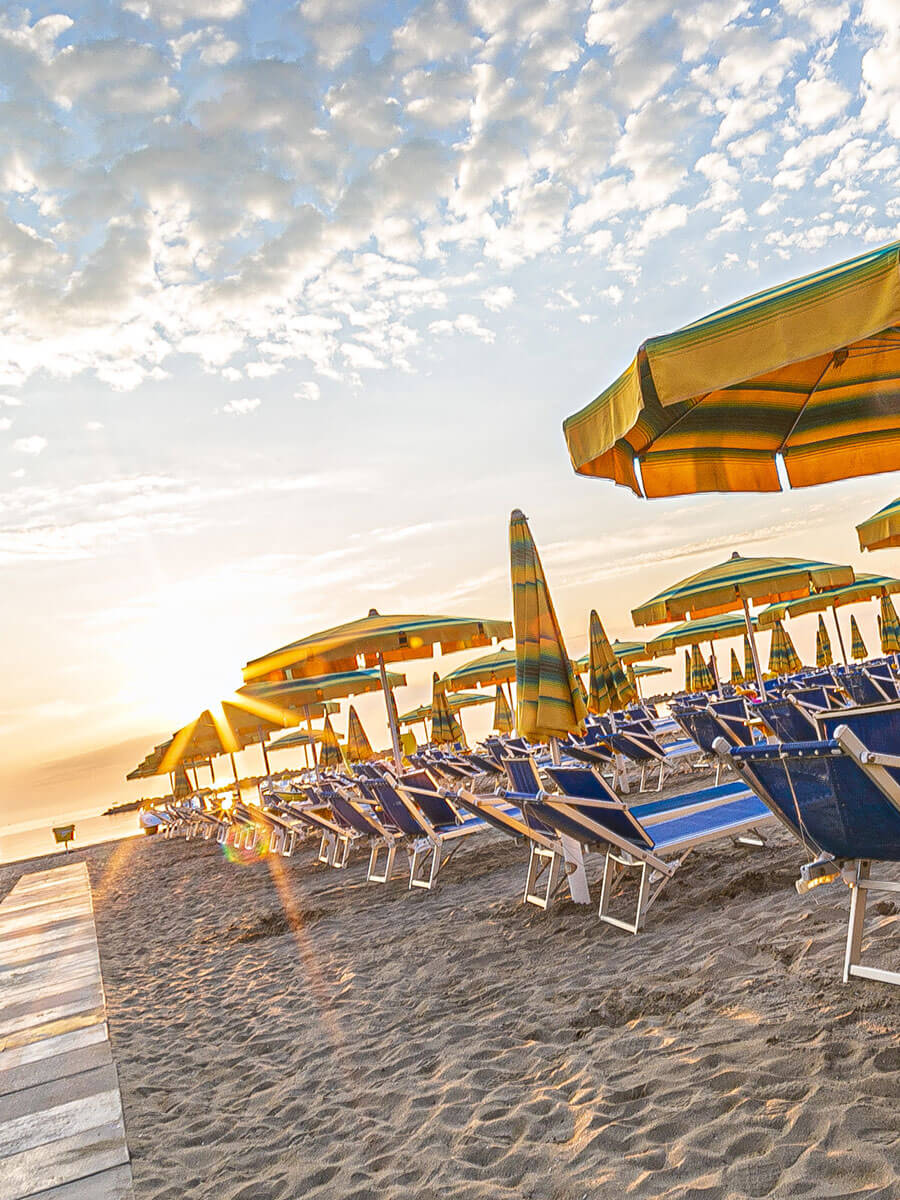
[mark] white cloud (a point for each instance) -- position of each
(5, 423)
(819, 100)
(241, 408)
(465, 323)
(498, 298)
(309, 391)
(34, 444)
(11, 401)
(93, 426)
(173, 13)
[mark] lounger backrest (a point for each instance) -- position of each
(732, 714)
(877, 725)
(433, 805)
(862, 687)
(583, 782)
(345, 812)
(396, 811)
(789, 724)
(707, 729)
(523, 776)
(762, 769)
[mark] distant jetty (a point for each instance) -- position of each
(128, 806)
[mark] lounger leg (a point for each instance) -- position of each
(287, 848)
(541, 861)
(325, 848)
(576, 876)
(610, 871)
(390, 850)
(341, 852)
(659, 782)
(643, 777)
(423, 854)
(858, 897)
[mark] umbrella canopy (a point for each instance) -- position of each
(882, 530)
(737, 675)
(503, 717)
(807, 371)
(225, 729)
(296, 738)
(824, 657)
(359, 748)
(858, 646)
(548, 699)
(330, 758)
(701, 676)
(610, 687)
(783, 657)
(703, 629)
(497, 667)
(460, 700)
(890, 627)
(445, 729)
(629, 652)
(640, 670)
(313, 690)
(863, 587)
(748, 661)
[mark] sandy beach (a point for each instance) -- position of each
(285, 1030)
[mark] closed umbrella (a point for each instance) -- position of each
(330, 758)
(687, 670)
(359, 748)
(610, 687)
(890, 627)
(882, 530)
(748, 661)
(857, 645)
(701, 676)
(737, 675)
(445, 729)
(824, 656)
(503, 717)
(548, 699)
(807, 372)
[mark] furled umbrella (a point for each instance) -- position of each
(503, 716)
(749, 669)
(331, 758)
(857, 646)
(687, 670)
(890, 627)
(807, 372)
(548, 699)
(373, 641)
(445, 729)
(610, 687)
(701, 676)
(882, 530)
(737, 675)
(359, 748)
(824, 657)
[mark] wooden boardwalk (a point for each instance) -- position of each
(62, 1135)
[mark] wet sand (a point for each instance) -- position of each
(283, 1030)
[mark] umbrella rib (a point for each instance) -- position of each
(809, 395)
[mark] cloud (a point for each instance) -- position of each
(33, 445)
(308, 391)
(498, 298)
(465, 323)
(242, 408)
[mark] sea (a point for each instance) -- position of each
(35, 839)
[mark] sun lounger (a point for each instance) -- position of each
(380, 832)
(336, 836)
(644, 749)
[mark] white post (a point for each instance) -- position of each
(837, 626)
(753, 651)
(395, 732)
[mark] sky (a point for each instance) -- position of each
(295, 297)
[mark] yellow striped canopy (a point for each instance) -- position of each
(503, 717)
(640, 670)
(824, 657)
(703, 629)
(610, 687)
(882, 530)
(858, 646)
(359, 748)
(724, 587)
(548, 698)
(394, 638)
(315, 690)
(783, 657)
(456, 702)
(687, 670)
(808, 370)
(701, 676)
(749, 670)
(296, 738)
(445, 729)
(225, 728)
(737, 675)
(330, 756)
(497, 667)
(864, 587)
(890, 627)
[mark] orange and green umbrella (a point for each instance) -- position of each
(882, 530)
(864, 587)
(445, 729)
(737, 675)
(857, 645)
(610, 687)
(330, 757)
(824, 657)
(701, 676)
(807, 372)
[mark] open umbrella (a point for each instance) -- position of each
(858, 646)
(610, 687)
(359, 748)
(373, 641)
(548, 699)
(808, 372)
(503, 717)
(737, 675)
(824, 657)
(864, 587)
(882, 530)
(701, 677)
(890, 627)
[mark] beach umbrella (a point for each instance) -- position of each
(373, 641)
(456, 702)
(889, 629)
(733, 584)
(610, 687)
(702, 629)
(858, 646)
(687, 670)
(737, 675)
(503, 717)
(642, 670)
(497, 667)
(548, 700)
(882, 530)
(629, 652)
(807, 372)
(791, 657)
(748, 661)
(445, 729)
(824, 656)
(359, 748)
(701, 676)
(864, 587)
(331, 758)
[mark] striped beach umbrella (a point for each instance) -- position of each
(890, 627)
(701, 676)
(330, 757)
(497, 667)
(824, 657)
(792, 658)
(748, 661)
(777, 665)
(737, 675)
(548, 699)
(610, 687)
(503, 717)
(807, 372)
(857, 645)
(864, 587)
(445, 729)
(687, 670)
(882, 530)
(359, 748)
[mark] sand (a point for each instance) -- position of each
(283, 1030)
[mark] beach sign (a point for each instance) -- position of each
(64, 834)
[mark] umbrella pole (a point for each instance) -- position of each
(751, 637)
(262, 746)
(315, 756)
(237, 782)
(837, 626)
(392, 723)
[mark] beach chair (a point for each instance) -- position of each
(870, 684)
(380, 833)
(653, 838)
(842, 799)
(336, 836)
(642, 747)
